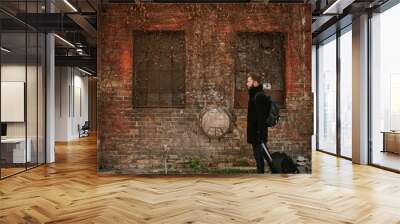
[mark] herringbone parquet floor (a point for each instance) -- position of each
(70, 191)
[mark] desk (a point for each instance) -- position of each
(16, 147)
(391, 141)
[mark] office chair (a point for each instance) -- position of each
(84, 130)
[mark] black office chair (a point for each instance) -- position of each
(84, 130)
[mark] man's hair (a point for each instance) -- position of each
(255, 77)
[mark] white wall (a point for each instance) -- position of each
(62, 81)
(71, 102)
(81, 103)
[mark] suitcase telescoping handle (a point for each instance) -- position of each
(266, 152)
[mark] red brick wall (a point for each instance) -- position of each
(133, 140)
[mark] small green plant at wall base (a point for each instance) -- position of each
(233, 170)
(195, 164)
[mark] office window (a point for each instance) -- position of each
(385, 88)
(346, 92)
(159, 69)
(262, 54)
(327, 95)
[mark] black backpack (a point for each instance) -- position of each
(273, 115)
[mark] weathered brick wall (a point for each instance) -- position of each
(134, 140)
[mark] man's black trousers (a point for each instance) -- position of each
(260, 156)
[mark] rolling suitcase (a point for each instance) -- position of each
(280, 162)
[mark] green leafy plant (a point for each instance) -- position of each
(195, 164)
(232, 170)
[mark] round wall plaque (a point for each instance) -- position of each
(215, 122)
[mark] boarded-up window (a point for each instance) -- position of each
(262, 54)
(159, 72)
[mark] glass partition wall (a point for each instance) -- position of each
(22, 87)
(334, 94)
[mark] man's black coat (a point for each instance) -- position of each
(257, 111)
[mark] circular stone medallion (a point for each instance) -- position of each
(215, 122)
